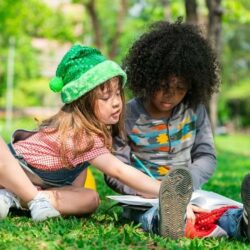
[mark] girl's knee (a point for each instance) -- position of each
(93, 201)
(88, 201)
(76, 201)
(1, 166)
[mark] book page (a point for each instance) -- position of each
(210, 200)
(134, 200)
(205, 199)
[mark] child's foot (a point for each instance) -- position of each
(245, 196)
(175, 194)
(41, 208)
(7, 200)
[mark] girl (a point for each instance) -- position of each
(56, 156)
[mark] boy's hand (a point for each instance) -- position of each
(191, 210)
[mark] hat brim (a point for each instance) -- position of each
(91, 79)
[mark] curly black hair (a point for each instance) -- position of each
(169, 49)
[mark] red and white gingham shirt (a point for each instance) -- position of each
(41, 151)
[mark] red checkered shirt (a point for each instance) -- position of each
(41, 151)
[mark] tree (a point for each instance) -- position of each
(213, 34)
(24, 20)
(191, 11)
(101, 38)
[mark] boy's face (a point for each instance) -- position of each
(164, 100)
(108, 105)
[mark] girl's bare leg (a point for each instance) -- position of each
(75, 199)
(12, 176)
(14, 179)
(72, 200)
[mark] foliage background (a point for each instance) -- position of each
(113, 26)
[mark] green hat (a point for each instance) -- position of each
(81, 70)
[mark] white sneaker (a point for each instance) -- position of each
(7, 200)
(41, 208)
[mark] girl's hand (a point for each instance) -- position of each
(191, 210)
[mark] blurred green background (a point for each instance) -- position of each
(34, 35)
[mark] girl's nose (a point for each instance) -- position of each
(116, 101)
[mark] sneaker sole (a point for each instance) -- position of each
(245, 196)
(175, 194)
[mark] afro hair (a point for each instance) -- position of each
(172, 49)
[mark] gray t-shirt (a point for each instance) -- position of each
(184, 139)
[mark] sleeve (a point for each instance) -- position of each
(203, 152)
(122, 152)
(98, 149)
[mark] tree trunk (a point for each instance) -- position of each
(191, 11)
(119, 28)
(214, 36)
(91, 8)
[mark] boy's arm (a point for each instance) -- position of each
(122, 152)
(203, 152)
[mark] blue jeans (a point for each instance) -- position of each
(230, 222)
(149, 220)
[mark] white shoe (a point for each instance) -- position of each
(7, 200)
(41, 208)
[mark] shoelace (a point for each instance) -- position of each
(10, 199)
(245, 217)
(41, 203)
(7, 200)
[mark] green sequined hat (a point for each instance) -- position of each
(81, 70)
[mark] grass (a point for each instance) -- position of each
(106, 230)
(236, 144)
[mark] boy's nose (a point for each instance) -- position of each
(170, 92)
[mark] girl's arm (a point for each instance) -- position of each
(110, 165)
(122, 151)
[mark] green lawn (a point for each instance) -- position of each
(106, 230)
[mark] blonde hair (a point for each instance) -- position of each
(79, 118)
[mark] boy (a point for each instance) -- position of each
(173, 72)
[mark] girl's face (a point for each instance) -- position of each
(108, 105)
(164, 100)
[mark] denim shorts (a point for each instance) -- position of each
(47, 179)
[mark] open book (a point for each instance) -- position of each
(134, 200)
(205, 199)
